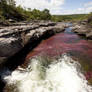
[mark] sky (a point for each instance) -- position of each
(59, 7)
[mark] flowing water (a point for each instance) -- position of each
(62, 63)
(61, 75)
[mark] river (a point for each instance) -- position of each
(62, 63)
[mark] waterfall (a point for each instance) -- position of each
(49, 75)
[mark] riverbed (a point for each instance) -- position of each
(70, 64)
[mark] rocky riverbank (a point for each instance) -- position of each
(15, 38)
(83, 29)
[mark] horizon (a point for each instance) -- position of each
(59, 7)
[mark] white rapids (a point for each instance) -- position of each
(62, 75)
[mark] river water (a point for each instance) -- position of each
(62, 63)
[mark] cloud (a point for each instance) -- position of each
(55, 6)
(88, 4)
(85, 9)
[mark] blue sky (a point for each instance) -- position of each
(77, 6)
(59, 6)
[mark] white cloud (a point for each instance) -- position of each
(54, 6)
(86, 8)
(88, 4)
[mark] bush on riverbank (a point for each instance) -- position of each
(9, 10)
(74, 17)
(90, 19)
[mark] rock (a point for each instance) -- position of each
(60, 27)
(90, 19)
(2, 60)
(89, 35)
(14, 38)
(9, 46)
(82, 30)
(84, 22)
(43, 30)
(75, 28)
(11, 20)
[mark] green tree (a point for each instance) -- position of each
(9, 10)
(11, 2)
(46, 14)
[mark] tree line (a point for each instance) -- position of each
(9, 10)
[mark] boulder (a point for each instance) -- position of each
(82, 30)
(89, 35)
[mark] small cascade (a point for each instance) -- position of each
(48, 75)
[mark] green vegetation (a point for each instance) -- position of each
(9, 10)
(90, 19)
(74, 17)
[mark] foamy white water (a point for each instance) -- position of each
(62, 75)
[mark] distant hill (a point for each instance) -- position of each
(73, 17)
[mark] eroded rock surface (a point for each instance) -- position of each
(14, 38)
(83, 30)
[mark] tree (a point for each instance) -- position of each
(46, 14)
(11, 2)
(90, 18)
(9, 10)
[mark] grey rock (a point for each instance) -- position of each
(9, 46)
(14, 38)
(82, 30)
